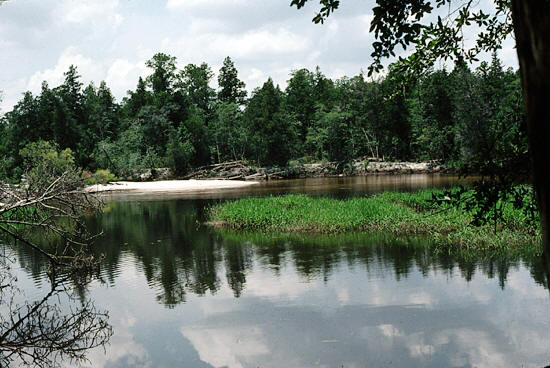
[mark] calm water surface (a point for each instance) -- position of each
(181, 295)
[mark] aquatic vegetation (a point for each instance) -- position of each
(399, 214)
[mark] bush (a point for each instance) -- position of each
(101, 176)
(180, 151)
(43, 163)
(126, 157)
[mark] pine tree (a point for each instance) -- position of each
(231, 88)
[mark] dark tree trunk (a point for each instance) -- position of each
(532, 30)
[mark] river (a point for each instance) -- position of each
(182, 295)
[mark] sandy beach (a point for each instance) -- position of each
(169, 186)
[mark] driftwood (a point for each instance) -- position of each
(238, 170)
(46, 213)
(228, 170)
(53, 207)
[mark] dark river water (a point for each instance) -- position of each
(182, 295)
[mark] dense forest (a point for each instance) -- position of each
(467, 119)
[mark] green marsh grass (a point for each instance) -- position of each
(394, 213)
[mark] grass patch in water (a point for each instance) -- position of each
(398, 214)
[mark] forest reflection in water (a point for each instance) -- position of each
(181, 294)
(178, 255)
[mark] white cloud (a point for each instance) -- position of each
(260, 44)
(79, 12)
(54, 76)
(202, 26)
(255, 77)
(476, 348)
(122, 347)
(190, 4)
(390, 330)
(226, 347)
(123, 75)
(365, 21)
(418, 348)
(109, 39)
(289, 285)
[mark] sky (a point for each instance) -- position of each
(110, 40)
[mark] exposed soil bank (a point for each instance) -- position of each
(168, 186)
(239, 170)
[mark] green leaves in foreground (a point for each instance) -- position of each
(394, 213)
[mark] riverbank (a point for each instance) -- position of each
(399, 214)
(168, 186)
(241, 170)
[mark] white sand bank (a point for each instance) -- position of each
(169, 186)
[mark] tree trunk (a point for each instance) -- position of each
(532, 30)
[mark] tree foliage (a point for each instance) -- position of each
(410, 24)
(435, 30)
(272, 130)
(231, 88)
(467, 119)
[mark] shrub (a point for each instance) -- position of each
(43, 163)
(101, 176)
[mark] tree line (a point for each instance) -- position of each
(470, 119)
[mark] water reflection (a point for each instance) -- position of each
(179, 255)
(183, 295)
(49, 329)
(340, 187)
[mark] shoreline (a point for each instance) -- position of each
(167, 186)
(240, 170)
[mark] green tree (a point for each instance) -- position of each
(489, 121)
(323, 89)
(137, 99)
(23, 121)
(229, 133)
(4, 143)
(396, 136)
(107, 111)
(273, 132)
(194, 81)
(330, 136)
(196, 131)
(49, 106)
(69, 122)
(301, 99)
(163, 83)
(404, 24)
(167, 93)
(363, 101)
(180, 151)
(155, 127)
(231, 88)
(43, 163)
(129, 154)
(101, 119)
(163, 79)
(432, 125)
